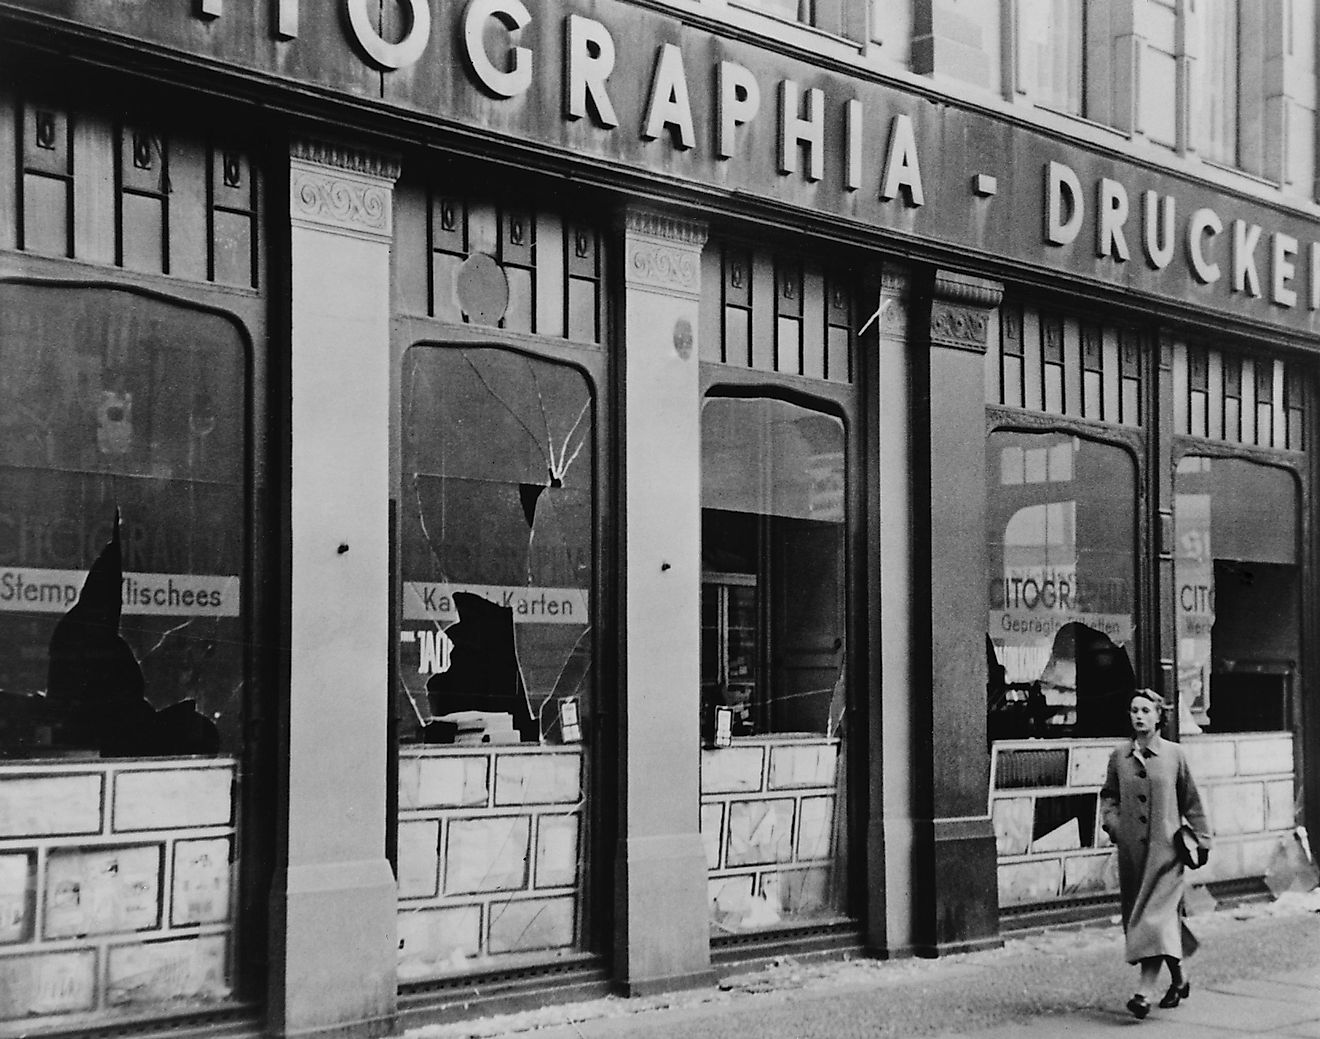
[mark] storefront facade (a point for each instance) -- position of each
(600, 492)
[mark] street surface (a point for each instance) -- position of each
(1258, 973)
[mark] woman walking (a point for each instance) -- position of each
(1148, 792)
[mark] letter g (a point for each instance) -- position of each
(513, 15)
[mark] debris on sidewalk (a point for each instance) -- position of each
(1292, 870)
(977, 988)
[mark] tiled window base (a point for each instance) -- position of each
(1044, 802)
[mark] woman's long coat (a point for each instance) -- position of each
(1143, 803)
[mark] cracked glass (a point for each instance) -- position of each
(496, 544)
(122, 511)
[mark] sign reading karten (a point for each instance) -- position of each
(32, 590)
(625, 90)
(432, 601)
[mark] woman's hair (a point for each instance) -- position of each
(1151, 695)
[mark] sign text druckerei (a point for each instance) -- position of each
(1147, 228)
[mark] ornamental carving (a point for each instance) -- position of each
(960, 310)
(967, 289)
(343, 157)
(661, 266)
(893, 317)
(672, 228)
(342, 203)
(963, 328)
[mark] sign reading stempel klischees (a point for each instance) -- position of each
(32, 590)
(434, 601)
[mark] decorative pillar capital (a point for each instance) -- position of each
(960, 310)
(662, 252)
(892, 286)
(341, 189)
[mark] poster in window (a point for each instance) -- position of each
(15, 898)
(55, 983)
(157, 972)
(103, 891)
(202, 881)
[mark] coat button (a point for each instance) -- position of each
(1141, 775)
(1141, 798)
(1142, 819)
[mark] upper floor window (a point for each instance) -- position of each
(846, 18)
(1219, 22)
(1052, 56)
(794, 10)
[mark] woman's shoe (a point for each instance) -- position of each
(1176, 994)
(1138, 1006)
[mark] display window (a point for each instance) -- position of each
(497, 683)
(1061, 579)
(122, 423)
(124, 659)
(496, 540)
(1238, 594)
(131, 335)
(772, 565)
(774, 662)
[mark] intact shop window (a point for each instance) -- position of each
(122, 510)
(496, 543)
(1238, 594)
(1061, 537)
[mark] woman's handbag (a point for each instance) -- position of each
(1189, 849)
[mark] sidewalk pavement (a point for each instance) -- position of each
(1286, 1004)
(1257, 973)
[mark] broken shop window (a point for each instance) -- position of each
(773, 593)
(122, 512)
(497, 542)
(1237, 594)
(1061, 576)
(773, 664)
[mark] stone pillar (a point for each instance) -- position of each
(662, 937)
(956, 896)
(334, 899)
(890, 454)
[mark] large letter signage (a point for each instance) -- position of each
(390, 55)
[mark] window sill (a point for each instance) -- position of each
(1073, 117)
(775, 22)
(1235, 171)
(776, 738)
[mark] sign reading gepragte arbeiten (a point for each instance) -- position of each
(638, 93)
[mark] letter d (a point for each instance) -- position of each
(1060, 181)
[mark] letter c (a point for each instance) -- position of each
(1203, 220)
(391, 55)
(513, 15)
